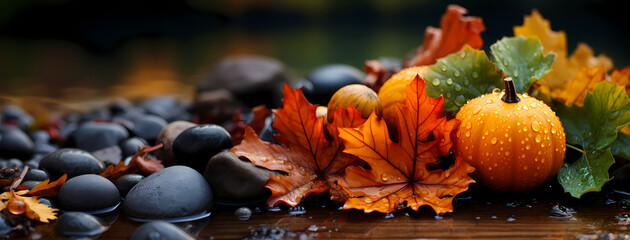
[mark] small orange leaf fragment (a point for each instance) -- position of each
(48, 189)
(34, 209)
(401, 172)
(140, 163)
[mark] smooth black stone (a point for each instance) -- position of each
(119, 106)
(233, 179)
(125, 183)
(88, 192)
(36, 175)
(14, 143)
(166, 137)
(14, 115)
(96, 115)
(161, 106)
(44, 148)
(268, 131)
(130, 146)
(50, 203)
(79, 224)
(31, 184)
(254, 80)
(176, 191)
(148, 127)
(328, 79)
(71, 161)
(93, 136)
(15, 164)
(5, 228)
(40, 136)
(195, 146)
(159, 231)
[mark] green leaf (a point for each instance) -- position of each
(521, 59)
(461, 76)
(587, 174)
(594, 127)
(621, 146)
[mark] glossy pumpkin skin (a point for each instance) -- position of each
(361, 97)
(393, 92)
(513, 146)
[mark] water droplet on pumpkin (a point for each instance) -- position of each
(496, 91)
(542, 160)
(469, 157)
(467, 134)
(524, 167)
(488, 100)
(539, 152)
(533, 105)
(525, 95)
(486, 133)
(535, 126)
(507, 153)
(493, 140)
(527, 147)
(553, 130)
(538, 138)
(468, 125)
(476, 111)
(435, 82)
(489, 168)
(523, 155)
(525, 108)
(509, 139)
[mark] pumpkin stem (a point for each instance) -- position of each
(510, 91)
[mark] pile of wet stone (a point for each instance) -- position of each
(200, 173)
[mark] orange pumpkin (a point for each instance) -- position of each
(361, 97)
(515, 142)
(393, 92)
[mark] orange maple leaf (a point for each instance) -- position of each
(402, 172)
(455, 32)
(622, 77)
(257, 123)
(140, 163)
(310, 152)
(34, 209)
(47, 188)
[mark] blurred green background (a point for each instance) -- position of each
(70, 49)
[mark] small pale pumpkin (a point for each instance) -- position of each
(515, 142)
(393, 92)
(361, 97)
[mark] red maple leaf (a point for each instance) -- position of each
(310, 153)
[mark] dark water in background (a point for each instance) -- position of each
(78, 50)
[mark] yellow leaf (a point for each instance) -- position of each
(563, 69)
(34, 209)
(536, 26)
(574, 92)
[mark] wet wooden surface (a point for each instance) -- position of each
(513, 217)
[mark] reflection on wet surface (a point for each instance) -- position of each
(522, 216)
